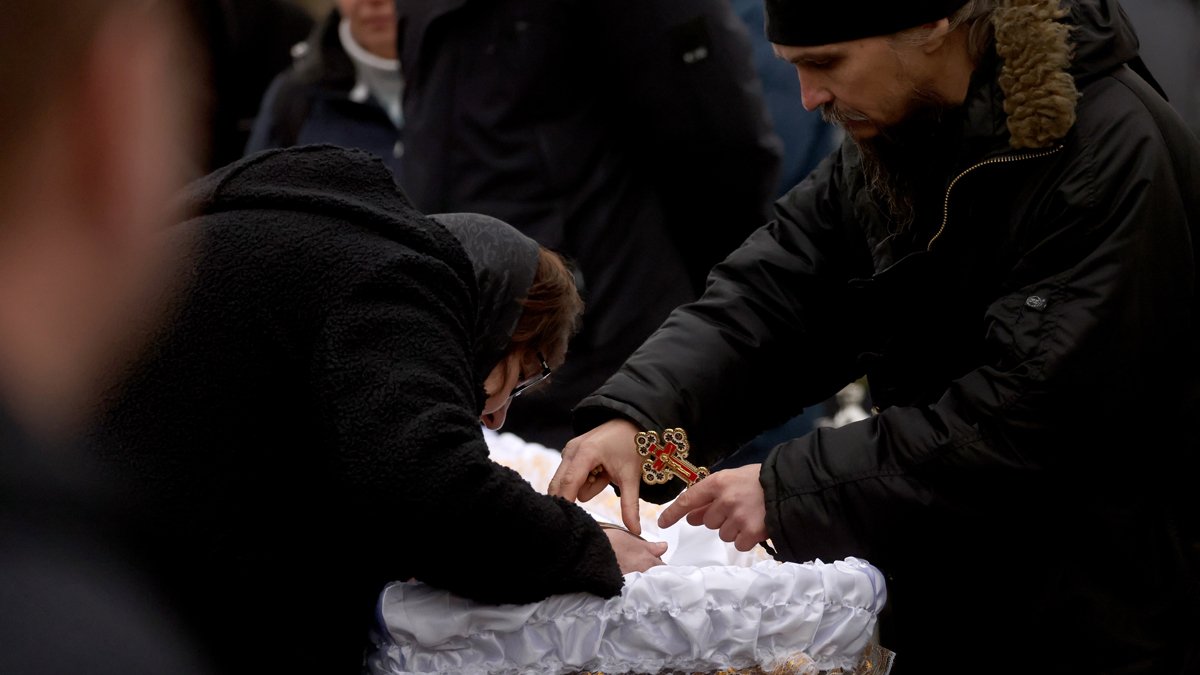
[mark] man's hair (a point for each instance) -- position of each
(975, 16)
(552, 310)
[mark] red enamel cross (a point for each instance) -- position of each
(667, 458)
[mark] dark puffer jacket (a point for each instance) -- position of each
(1032, 342)
(308, 428)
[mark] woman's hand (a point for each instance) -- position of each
(635, 554)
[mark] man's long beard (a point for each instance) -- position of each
(901, 160)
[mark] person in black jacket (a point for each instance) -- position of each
(344, 88)
(630, 134)
(308, 430)
(1006, 246)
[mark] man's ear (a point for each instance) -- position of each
(938, 31)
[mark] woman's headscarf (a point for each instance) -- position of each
(505, 263)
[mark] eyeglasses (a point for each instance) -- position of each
(533, 381)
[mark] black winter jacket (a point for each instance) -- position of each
(603, 129)
(308, 428)
(1032, 342)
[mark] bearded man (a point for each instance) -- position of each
(1006, 246)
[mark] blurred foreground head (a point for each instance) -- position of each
(97, 129)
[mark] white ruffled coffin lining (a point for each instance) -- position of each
(694, 619)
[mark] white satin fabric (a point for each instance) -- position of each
(692, 619)
(711, 607)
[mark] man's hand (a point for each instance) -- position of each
(610, 451)
(730, 501)
(635, 554)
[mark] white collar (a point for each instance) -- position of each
(360, 55)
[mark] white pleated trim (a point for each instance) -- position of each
(694, 619)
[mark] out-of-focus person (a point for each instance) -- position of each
(629, 134)
(343, 89)
(92, 94)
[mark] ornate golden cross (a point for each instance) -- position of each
(667, 458)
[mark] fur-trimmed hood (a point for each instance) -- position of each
(1048, 51)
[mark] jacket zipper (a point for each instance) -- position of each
(1003, 159)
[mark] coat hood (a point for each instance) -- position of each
(1102, 38)
(357, 188)
(313, 178)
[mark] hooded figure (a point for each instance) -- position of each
(308, 429)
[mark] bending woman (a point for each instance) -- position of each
(308, 429)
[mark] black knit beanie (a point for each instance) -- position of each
(805, 23)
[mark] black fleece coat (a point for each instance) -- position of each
(307, 430)
(1032, 339)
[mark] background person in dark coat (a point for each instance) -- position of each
(309, 429)
(344, 88)
(95, 99)
(1007, 246)
(807, 139)
(629, 134)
